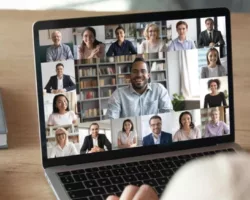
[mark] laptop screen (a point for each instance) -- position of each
(128, 85)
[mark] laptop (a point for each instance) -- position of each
(129, 99)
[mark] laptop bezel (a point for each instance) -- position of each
(120, 19)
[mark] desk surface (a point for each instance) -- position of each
(21, 171)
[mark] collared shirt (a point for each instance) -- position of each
(216, 129)
(95, 142)
(59, 83)
(180, 135)
(126, 48)
(213, 71)
(68, 150)
(177, 45)
(212, 33)
(62, 119)
(157, 140)
(124, 138)
(126, 102)
(61, 52)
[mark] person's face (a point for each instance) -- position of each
(56, 38)
(213, 86)
(61, 103)
(120, 35)
(127, 126)
(155, 125)
(215, 116)
(209, 25)
(61, 136)
(59, 70)
(88, 37)
(186, 120)
(139, 75)
(182, 30)
(152, 32)
(212, 57)
(94, 130)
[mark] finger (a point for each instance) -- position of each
(112, 197)
(146, 192)
(129, 192)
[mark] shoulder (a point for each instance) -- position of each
(66, 76)
(195, 129)
(157, 86)
(102, 136)
(88, 137)
(65, 46)
(222, 94)
(166, 134)
(127, 41)
(144, 42)
(71, 113)
(207, 96)
(147, 136)
(203, 32)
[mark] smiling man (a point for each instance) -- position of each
(58, 51)
(140, 97)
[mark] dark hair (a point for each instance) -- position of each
(186, 113)
(209, 19)
(139, 59)
(181, 23)
(59, 64)
(154, 117)
(118, 28)
(93, 124)
(127, 120)
(95, 43)
(55, 109)
(217, 81)
(218, 57)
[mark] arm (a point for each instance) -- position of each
(50, 120)
(49, 55)
(84, 146)
(142, 48)
(110, 50)
(175, 138)
(71, 85)
(73, 150)
(206, 102)
(193, 45)
(101, 52)
(207, 131)
(165, 103)
(163, 47)
(221, 40)
(200, 41)
(48, 87)
(69, 54)
(114, 106)
(223, 99)
(198, 133)
(171, 46)
(226, 128)
(203, 72)
(73, 116)
(132, 48)
(107, 143)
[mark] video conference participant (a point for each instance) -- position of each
(127, 137)
(210, 37)
(121, 46)
(157, 136)
(60, 82)
(214, 67)
(95, 142)
(187, 130)
(63, 147)
(181, 42)
(91, 47)
(61, 114)
(140, 97)
(216, 127)
(58, 51)
(153, 43)
(215, 98)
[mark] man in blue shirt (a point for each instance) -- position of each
(121, 46)
(157, 136)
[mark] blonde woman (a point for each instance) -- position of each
(153, 43)
(63, 147)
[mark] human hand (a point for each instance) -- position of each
(94, 52)
(54, 91)
(211, 44)
(132, 192)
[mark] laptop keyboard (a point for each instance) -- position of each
(99, 182)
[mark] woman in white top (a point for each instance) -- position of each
(63, 147)
(61, 114)
(91, 47)
(187, 129)
(214, 67)
(127, 137)
(153, 43)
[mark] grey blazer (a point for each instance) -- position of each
(205, 72)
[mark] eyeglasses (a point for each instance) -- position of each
(150, 31)
(158, 124)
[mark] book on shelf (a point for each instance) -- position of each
(88, 95)
(160, 76)
(88, 83)
(157, 66)
(106, 70)
(87, 72)
(91, 112)
(123, 79)
(106, 93)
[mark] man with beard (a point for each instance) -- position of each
(140, 97)
(58, 51)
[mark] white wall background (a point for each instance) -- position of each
(44, 38)
(192, 28)
(204, 88)
(49, 69)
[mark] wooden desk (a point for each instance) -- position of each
(21, 174)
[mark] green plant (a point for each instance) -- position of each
(178, 102)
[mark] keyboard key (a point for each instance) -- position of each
(158, 160)
(93, 175)
(98, 191)
(112, 188)
(122, 186)
(173, 158)
(162, 181)
(104, 182)
(119, 166)
(142, 176)
(156, 166)
(74, 186)
(89, 170)
(80, 177)
(184, 157)
(80, 193)
(118, 194)
(231, 150)
(104, 168)
(160, 189)
(116, 180)
(79, 171)
(131, 170)
(129, 178)
(145, 162)
(132, 164)
(67, 179)
(106, 174)
(137, 183)
(168, 165)
(175, 169)
(119, 172)
(179, 163)
(167, 172)
(64, 174)
(143, 168)
(150, 182)
(95, 198)
(154, 174)
(90, 184)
